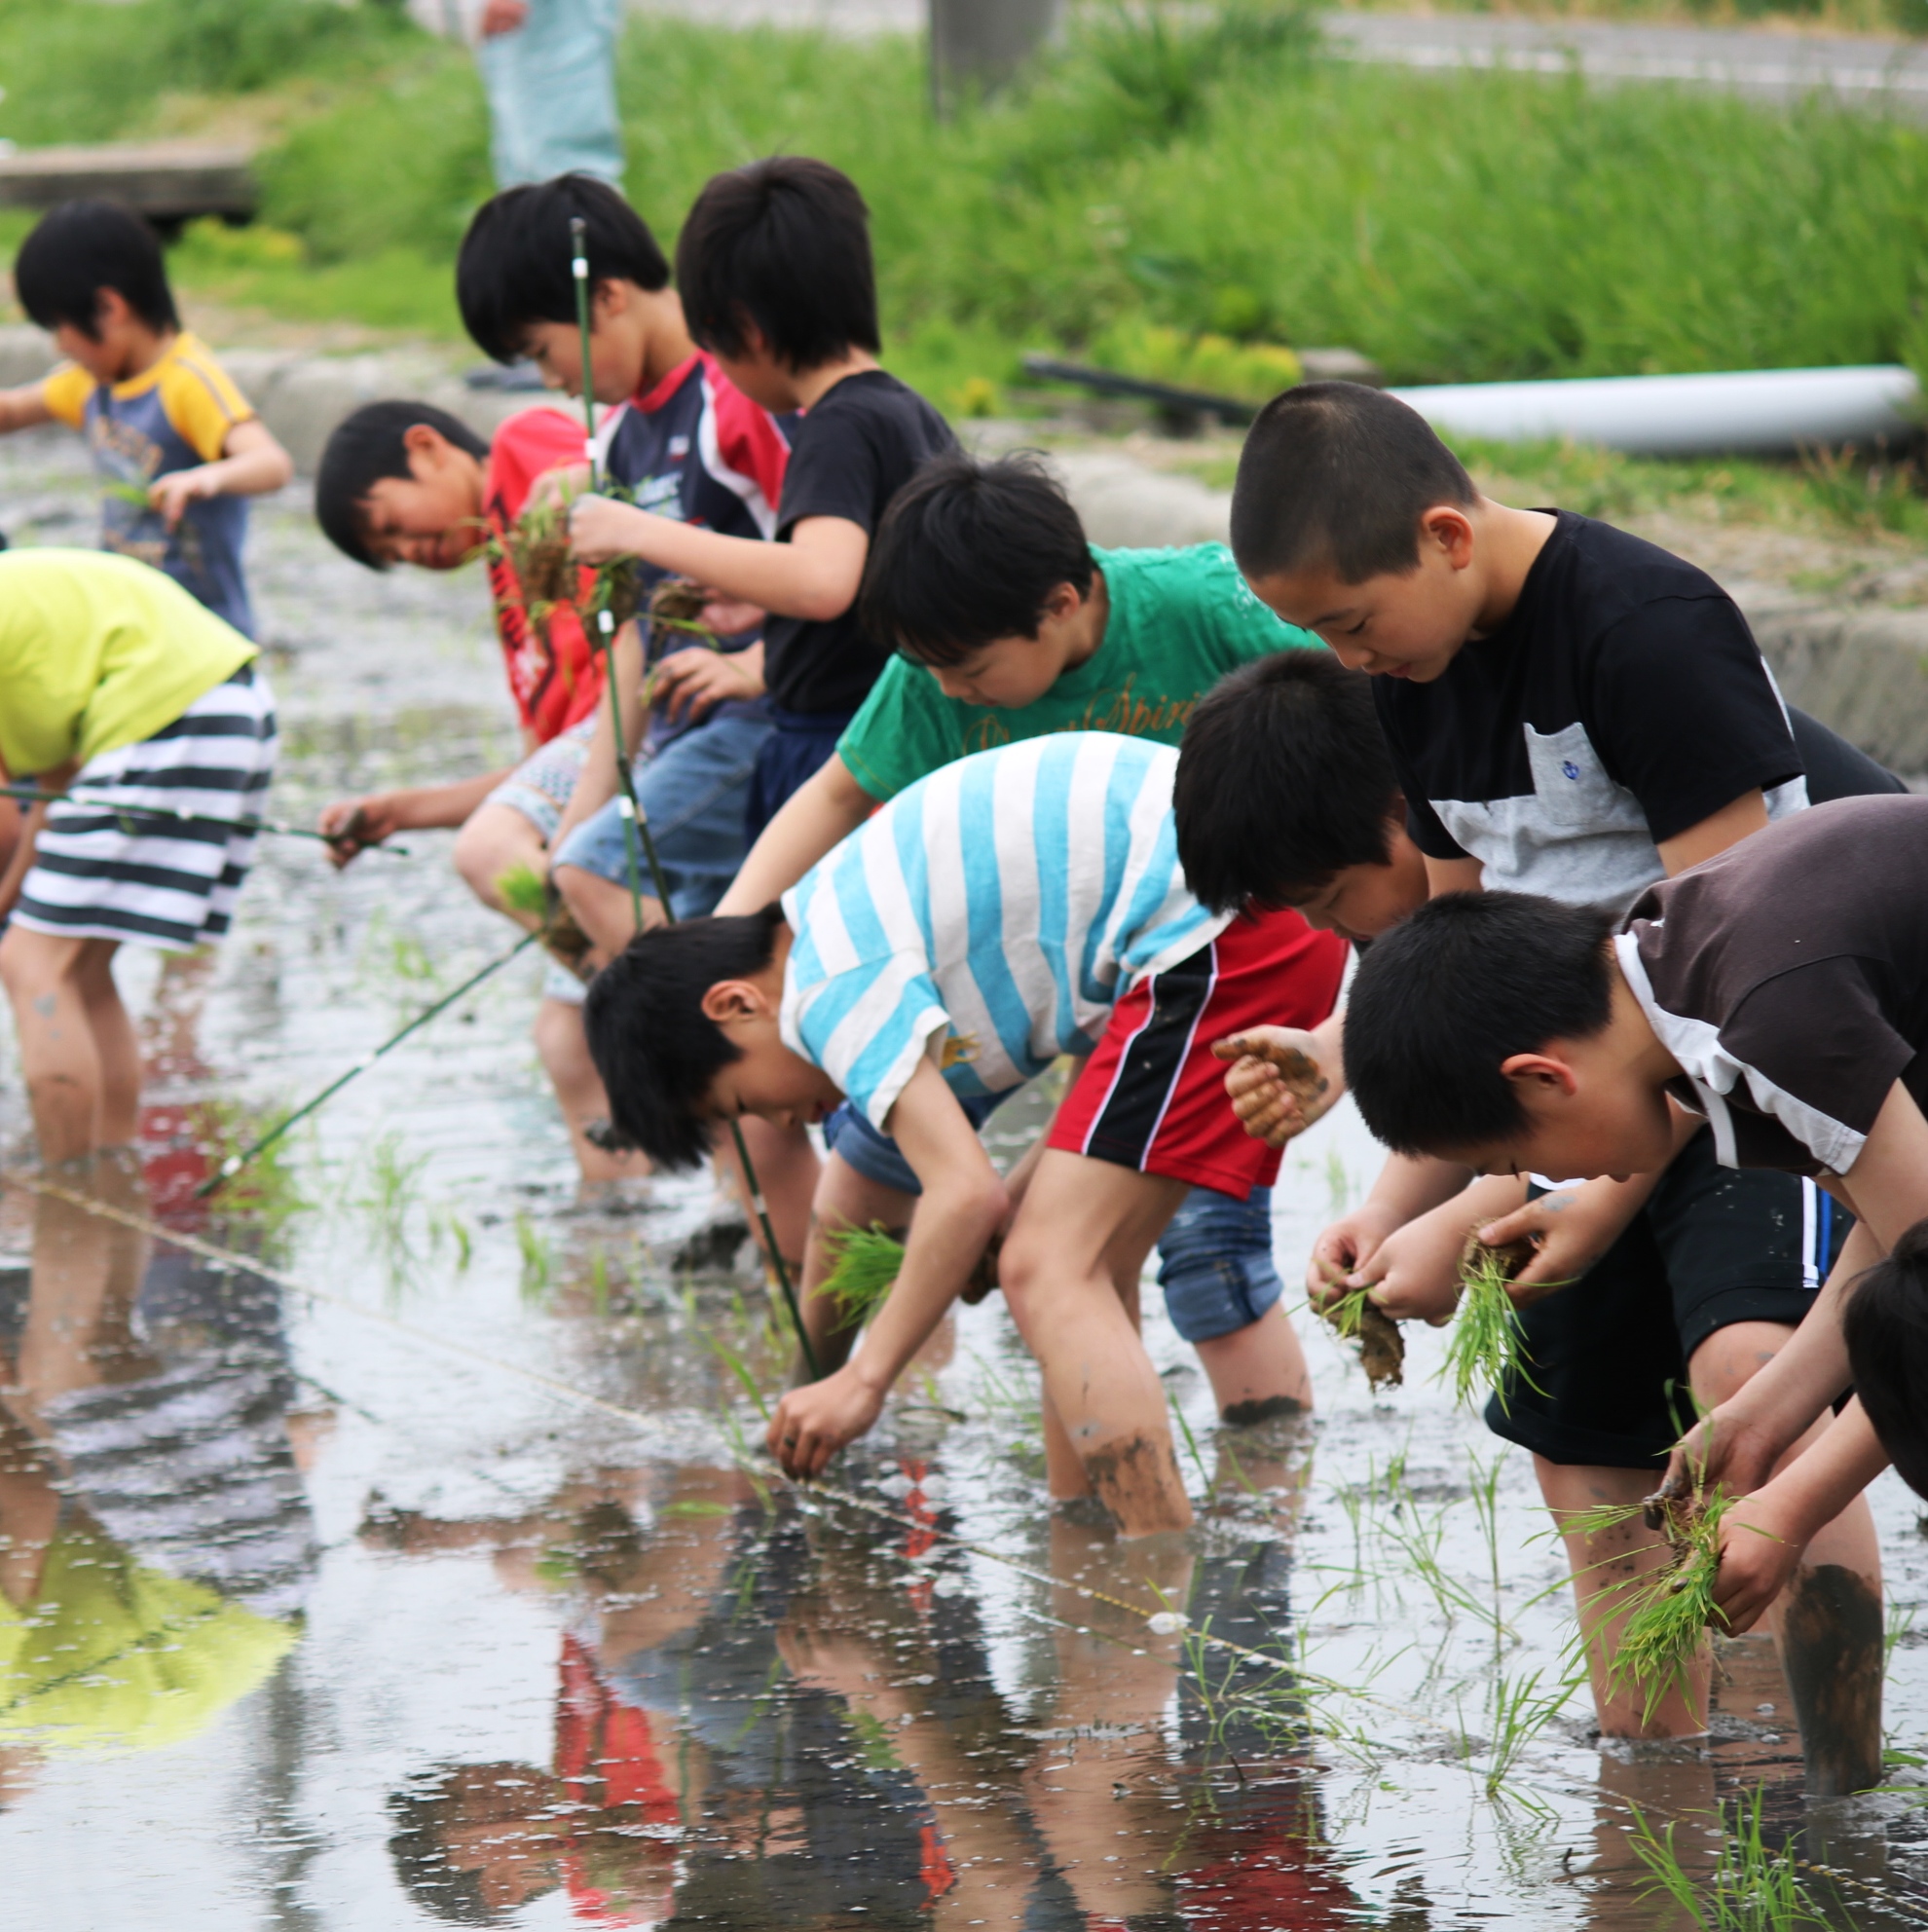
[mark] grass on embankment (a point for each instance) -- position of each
(1180, 168)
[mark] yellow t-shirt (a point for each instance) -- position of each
(97, 651)
(195, 395)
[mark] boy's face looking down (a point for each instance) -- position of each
(118, 346)
(1405, 625)
(618, 344)
(1593, 1106)
(1364, 900)
(1011, 672)
(431, 517)
(767, 1079)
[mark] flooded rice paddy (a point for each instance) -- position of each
(420, 1572)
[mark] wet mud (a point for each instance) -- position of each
(387, 1546)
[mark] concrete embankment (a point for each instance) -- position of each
(1864, 671)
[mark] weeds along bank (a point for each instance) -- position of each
(1206, 171)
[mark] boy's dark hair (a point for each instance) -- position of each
(1442, 999)
(1336, 476)
(81, 247)
(513, 268)
(654, 1050)
(783, 245)
(1283, 778)
(362, 449)
(969, 552)
(1885, 1325)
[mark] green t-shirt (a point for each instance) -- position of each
(97, 651)
(1179, 619)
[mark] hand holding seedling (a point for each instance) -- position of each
(813, 1422)
(600, 528)
(1277, 1084)
(1724, 1449)
(1759, 1551)
(171, 494)
(1568, 1230)
(1414, 1273)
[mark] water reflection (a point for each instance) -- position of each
(155, 1537)
(767, 1718)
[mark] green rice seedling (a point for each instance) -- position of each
(1754, 1886)
(1900, 1627)
(1520, 1711)
(446, 1225)
(539, 1258)
(1356, 1318)
(598, 1282)
(1487, 1346)
(740, 1369)
(1668, 1612)
(1190, 1440)
(265, 1193)
(523, 889)
(1486, 1506)
(391, 1188)
(865, 1264)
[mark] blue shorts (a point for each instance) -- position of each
(799, 747)
(694, 793)
(1215, 1258)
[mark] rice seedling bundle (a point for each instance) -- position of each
(524, 891)
(1487, 1348)
(866, 1262)
(1668, 1611)
(1357, 1317)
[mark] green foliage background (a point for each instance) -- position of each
(1198, 168)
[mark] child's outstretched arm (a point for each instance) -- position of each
(962, 1205)
(819, 815)
(814, 576)
(251, 463)
(23, 408)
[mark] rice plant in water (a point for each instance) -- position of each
(1752, 1887)
(1487, 1346)
(526, 894)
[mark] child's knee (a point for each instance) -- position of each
(33, 964)
(492, 842)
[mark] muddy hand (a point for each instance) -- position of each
(1721, 1448)
(1276, 1086)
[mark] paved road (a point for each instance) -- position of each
(1759, 61)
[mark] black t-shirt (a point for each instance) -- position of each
(1789, 978)
(848, 456)
(1622, 701)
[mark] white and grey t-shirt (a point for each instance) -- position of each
(1789, 978)
(1621, 702)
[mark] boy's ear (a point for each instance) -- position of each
(427, 444)
(111, 309)
(1544, 1074)
(1449, 528)
(732, 1000)
(608, 298)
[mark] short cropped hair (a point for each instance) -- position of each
(970, 552)
(783, 245)
(654, 1050)
(1336, 476)
(514, 267)
(1447, 995)
(81, 247)
(1885, 1325)
(363, 448)
(1284, 779)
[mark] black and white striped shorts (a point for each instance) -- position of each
(103, 871)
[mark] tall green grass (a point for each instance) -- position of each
(1199, 169)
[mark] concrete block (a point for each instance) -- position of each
(1126, 505)
(26, 353)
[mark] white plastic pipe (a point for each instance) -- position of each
(1749, 412)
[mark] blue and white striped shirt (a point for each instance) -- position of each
(989, 917)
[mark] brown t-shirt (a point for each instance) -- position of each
(1789, 976)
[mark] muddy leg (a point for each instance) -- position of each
(1829, 1621)
(1070, 1268)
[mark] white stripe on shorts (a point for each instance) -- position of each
(164, 882)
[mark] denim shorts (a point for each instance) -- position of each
(694, 793)
(1215, 1258)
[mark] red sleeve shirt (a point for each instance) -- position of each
(554, 675)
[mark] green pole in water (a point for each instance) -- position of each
(235, 1163)
(638, 844)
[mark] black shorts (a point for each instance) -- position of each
(1713, 1245)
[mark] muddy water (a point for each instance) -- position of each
(341, 1610)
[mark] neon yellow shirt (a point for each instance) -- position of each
(113, 1655)
(97, 651)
